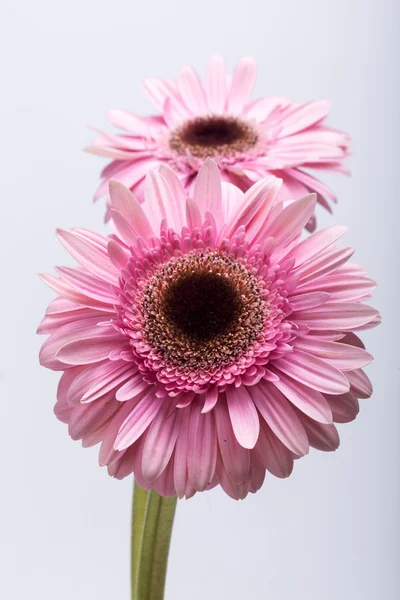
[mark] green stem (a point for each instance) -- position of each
(152, 519)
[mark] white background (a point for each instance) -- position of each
(332, 529)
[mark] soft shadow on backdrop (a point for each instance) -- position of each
(332, 529)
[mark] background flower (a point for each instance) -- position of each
(248, 139)
(203, 343)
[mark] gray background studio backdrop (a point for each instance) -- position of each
(332, 529)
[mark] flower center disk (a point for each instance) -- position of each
(208, 136)
(202, 305)
(202, 310)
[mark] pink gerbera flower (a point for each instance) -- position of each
(203, 343)
(248, 140)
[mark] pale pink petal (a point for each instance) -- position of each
(216, 85)
(158, 90)
(244, 78)
(191, 90)
(304, 116)
(128, 121)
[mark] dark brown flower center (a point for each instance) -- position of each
(202, 310)
(207, 136)
(202, 305)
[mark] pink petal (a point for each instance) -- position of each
(244, 78)
(207, 190)
(76, 330)
(128, 122)
(98, 379)
(280, 417)
(178, 196)
(160, 441)
(211, 398)
(88, 350)
(235, 458)
(86, 418)
(316, 243)
(232, 197)
(290, 222)
(158, 90)
(125, 203)
(344, 407)
(216, 85)
(322, 437)
(134, 386)
(138, 420)
(336, 316)
(307, 301)
(181, 451)
(88, 284)
(89, 256)
(244, 417)
(309, 401)
(202, 449)
(254, 210)
(304, 116)
(191, 90)
(272, 454)
(322, 264)
(313, 372)
(360, 384)
(125, 232)
(341, 356)
(193, 216)
(80, 300)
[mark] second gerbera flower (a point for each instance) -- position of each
(217, 119)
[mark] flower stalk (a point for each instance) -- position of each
(152, 520)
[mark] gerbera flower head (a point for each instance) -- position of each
(248, 139)
(202, 343)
